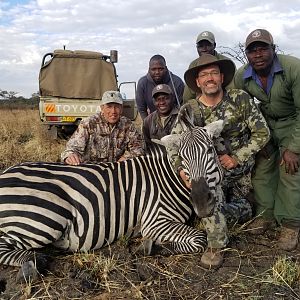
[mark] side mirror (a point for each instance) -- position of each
(113, 56)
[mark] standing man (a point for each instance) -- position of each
(104, 137)
(158, 73)
(274, 79)
(244, 134)
(205, 44)
(161, 121)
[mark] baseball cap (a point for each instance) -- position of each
(161, 88)
(206, 35)
(259, 35)
(111, 97)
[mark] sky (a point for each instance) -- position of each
(138, 29)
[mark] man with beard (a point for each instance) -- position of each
(205, 44)
(245, 132)
(274, 79)
(160, 122)
(158, 73)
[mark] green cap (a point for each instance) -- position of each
(207, 36)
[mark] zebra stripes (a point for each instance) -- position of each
(81, 208)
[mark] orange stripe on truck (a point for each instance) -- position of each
(50, 108)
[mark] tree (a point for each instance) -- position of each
(238, 52)
(5, 95)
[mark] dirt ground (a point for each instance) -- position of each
(250, 271)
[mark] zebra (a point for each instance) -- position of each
(86, 207)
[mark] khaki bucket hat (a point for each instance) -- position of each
(226, 66)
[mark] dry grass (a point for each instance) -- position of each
(24, 138)
(286, 271)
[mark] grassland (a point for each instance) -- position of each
(253, 268)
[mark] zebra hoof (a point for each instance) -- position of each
(27, 273)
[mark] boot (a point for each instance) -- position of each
(288, 238)
(212, 258)
(259, 225)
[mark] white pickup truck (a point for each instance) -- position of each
(71, 85)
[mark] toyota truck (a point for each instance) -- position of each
(71, 84)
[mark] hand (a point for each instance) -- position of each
(73, 159)
(291, 161)
(185, 179)
(227, 161)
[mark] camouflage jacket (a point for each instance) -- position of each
(96, 141)
(153, 127)
(245, 131)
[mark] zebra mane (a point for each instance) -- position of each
(186, 117)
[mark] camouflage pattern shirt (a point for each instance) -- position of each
(245, 131)
(95, 140)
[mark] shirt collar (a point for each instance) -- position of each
(276, 68)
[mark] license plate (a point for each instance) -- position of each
(68, 119)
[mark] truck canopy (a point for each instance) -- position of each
(76, 74)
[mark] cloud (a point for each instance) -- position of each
(137, 29)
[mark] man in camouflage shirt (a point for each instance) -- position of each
(104, 137)
(244, 134)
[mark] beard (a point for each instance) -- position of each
(212, 90)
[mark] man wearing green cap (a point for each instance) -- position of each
(205, 44)
(274, 80)
(161, 121)
(104, 137)
(245, 133)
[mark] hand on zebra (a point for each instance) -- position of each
(122, 158)
(227, 161)
(73, 159)
(185, 179)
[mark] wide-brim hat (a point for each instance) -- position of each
(226, 66)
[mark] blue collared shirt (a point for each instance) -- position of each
(276, 68)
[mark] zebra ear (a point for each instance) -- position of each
(169, 141)
(214, 129)
(186, 117)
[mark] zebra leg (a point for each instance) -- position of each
(14, 253)
(175, 238)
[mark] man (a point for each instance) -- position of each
(205, 44)
(274, 80)
(161, 121)
(104, 137)
(158, 73)
(244, 134)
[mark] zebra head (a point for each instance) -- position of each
(195, 147)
